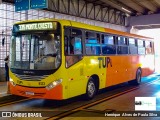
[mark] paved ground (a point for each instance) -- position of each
(125, 102)
(3, 88)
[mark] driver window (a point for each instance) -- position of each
(48, 45)
(49, 50)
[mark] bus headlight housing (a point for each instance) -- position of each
(53, 84)
(12, 82)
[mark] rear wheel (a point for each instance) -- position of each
(91, 89)
(137, 81)
(138, 77)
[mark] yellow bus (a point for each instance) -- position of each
(60, 59)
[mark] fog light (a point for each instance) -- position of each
(53, 84)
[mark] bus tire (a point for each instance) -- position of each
(136, 81)
(138, 77)
(91, 89)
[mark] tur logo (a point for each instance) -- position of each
(104, 62)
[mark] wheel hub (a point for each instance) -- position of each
(91, 88)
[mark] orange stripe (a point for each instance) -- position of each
(55, 93)
(108, 30)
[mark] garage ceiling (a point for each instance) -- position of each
(129, 7)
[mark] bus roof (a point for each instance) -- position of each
(89, 27)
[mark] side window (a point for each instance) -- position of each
(122, 47)
(122, 41)
(141, 47)
(108, 44)
(73, 43)
(152, 47)
(140, 43)
(148, 46)
(73, 46)
(132, 46)
(92, 43)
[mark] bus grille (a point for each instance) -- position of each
(31, 77)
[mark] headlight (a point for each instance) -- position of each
(12, 82)
(10, 79)
(53, 84)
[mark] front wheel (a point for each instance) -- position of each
(91, 89)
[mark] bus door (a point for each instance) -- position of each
(74, 62)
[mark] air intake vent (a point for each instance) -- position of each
(31, 77)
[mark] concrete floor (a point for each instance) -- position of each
(3, 89)
(125, 102)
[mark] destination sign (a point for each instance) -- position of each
(37, 26)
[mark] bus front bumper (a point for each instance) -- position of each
(54, 93)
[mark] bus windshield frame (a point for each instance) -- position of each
(35, 47)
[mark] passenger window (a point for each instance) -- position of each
(141, 48)
(140, 43)
(73, 46)
(122, 41)
(148, 46)
(122, 47)
(92, 43)
(73, 43)
(108, 39)
(108, 44)
(132, 46)
(132, 42)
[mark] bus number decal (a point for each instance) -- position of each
(41, 83)
(105, 62)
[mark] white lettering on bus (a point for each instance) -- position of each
(36, 26)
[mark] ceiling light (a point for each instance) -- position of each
(126, 10)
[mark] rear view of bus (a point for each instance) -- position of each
(34, 56)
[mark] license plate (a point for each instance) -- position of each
(29, 93)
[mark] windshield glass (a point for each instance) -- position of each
(37, 50)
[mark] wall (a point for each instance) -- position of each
(2, 74)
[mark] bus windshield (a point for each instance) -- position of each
(35, 50)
